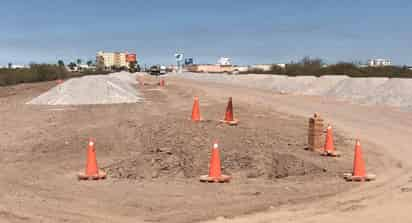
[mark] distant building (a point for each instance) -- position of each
(262, 67)
(282, 65)
(241, 69)
(86, 67)
(266, 67)
(210, 68)
(224, 61)
(379, 62)
(15, 66)
(80, 67)
(107, 60)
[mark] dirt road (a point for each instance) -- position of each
(154, 156)
(389, 199)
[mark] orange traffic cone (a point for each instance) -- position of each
(329, 148)
(92, 171)
(229, 114)
(215, 172)
(196, 110)
(359, 170)
(162, 83)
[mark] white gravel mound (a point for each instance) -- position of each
(98, 89)
(323, 84)
(292, 85)
(394, 92)
(383, 91)
(356, 88)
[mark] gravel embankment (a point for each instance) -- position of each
(383, 91)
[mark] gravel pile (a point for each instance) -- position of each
(292, 85)
(99, 89)
(394, 92)
(323, 84)
(384, 91)
(356, 88)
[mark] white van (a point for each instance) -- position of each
(163, 70)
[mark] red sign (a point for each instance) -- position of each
(131, 57)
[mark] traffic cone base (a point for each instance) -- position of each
(233, 122)
(331, 153)
(367, 177)
(198, 120)
(161, 83)
(220, 179)
(101, 175)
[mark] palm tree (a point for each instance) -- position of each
(79, 61)
(60, 63)
(89, 63)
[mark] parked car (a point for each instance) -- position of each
(163, 70)
(154, 70)
(157, 70)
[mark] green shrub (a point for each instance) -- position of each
(36, 72)
(316, 67)
(306, 66)
(39, 72)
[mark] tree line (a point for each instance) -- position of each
(34, 73)
(39, 72)
(316, 67)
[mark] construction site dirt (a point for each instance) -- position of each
(153, 155)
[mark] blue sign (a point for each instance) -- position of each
(188, 61)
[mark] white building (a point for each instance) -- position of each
(242, 68)
(15, 66)
(86, 67)
(267, 67)
(263, 67)
(224, 61)
(282, 65)
(18, 66)
(379, 62)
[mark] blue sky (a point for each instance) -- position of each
(259, 31)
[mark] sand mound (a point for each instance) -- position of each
(98, 89)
